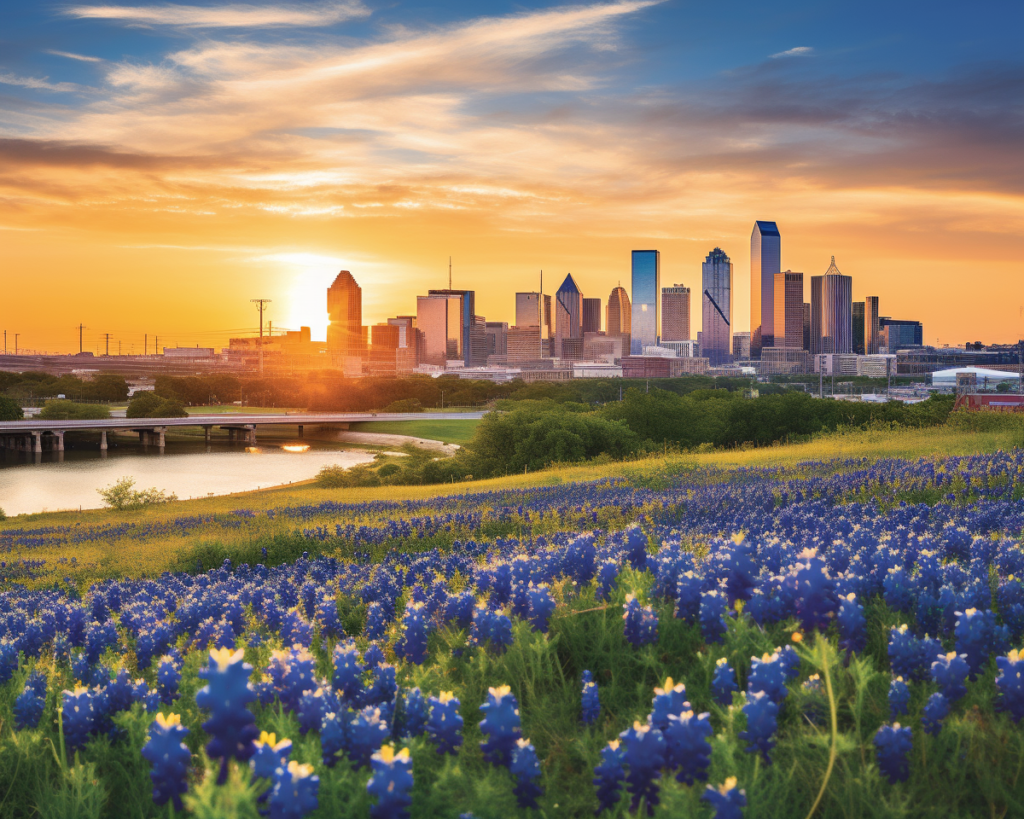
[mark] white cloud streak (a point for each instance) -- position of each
(799, 51)
(228, 16)
(37, 83)
(80, 57)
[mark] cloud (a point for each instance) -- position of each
(36, 83)
(81, 57)
(229, 16)
(799, 51)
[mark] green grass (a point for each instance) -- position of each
(451, 432)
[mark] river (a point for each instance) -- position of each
(189, 470)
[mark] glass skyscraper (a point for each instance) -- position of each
(345, 307)
(460, 322)
(858, 327)
(832, 312)
(765, 262)
(871, 329)
(619, 316)
(646, 323)
(568, 314)
(789, 310)
(716, 308)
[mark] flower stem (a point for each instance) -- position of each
(835, 731)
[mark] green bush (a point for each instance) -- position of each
(405, 405)
(122, 497)
(149, 405)
(63, 410)
(10, 410)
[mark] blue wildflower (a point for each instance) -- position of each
(669, 699)
(525, 768)
(169, 758)
(852, 625)
(645, 757)
(347, 677)
(295, 791)
(28, 707)
(935, 711)
(727, 800)
(168, 678)
(591, 702)
(77, 715)
(609, 775)
(723, 683)
(226, 696)
(412, 645)
(893, 745)
(415, 713)
(761, 713)
(712, 616)
(899, 698)
(977, 636)
(500, 725)
(444, 726)
(950, 673)
(391, 783)
(542, 605)
(641, 623)
(689, 751)
(768, 675)
(1010, 683)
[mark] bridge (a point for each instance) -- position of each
(36, 434)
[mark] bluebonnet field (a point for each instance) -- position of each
(834, 639)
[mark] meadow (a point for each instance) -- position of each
(817, 629)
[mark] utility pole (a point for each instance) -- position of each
(107, 337)
(259, 306)
(119, 347)
(145, 344)
(5, 342)
(16, 343)
(156, 345)
(80, 328)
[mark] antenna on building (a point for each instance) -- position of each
(449, 272)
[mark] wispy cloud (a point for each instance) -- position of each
(799, 51)
(81, 57)
(227, 16)
(36, 83)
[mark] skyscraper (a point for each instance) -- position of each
(765, 262)
(568, 314)
(534, 311)
(789, 310)
(807, 326)
(675, 313)
(872, 339)
(592, 315)
(858, 327)
(831, 312)
(439, 317)
(646, 321)
(345, 335)
(619, 316)
(716, 308)
(462, 323)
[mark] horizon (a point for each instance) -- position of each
(164, 164)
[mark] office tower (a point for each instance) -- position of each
(461, 307)
(896, 334)
(410, 343)
(568, 314)
(858, 327)
(591, 315)
(478, 343)
(871, 329)
(831, 312)
(741, 346)
(789, 309)
(441, 324)
(807, 326)
(619, 316)
(497, 337)
(646, 321)
(345, 335)
(765, 262)
(523, 344)
(675, 313)
(534, 311)
(716, 308)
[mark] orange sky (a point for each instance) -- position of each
(172, 192)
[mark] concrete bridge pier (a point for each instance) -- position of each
(60, 439)
(37, 445)
(207, 431)
(300, 430)
(103, 440)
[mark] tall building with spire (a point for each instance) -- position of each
(832, 312)
(346, 336)
(619, 316)
(646, 287)
(716, 308)
(765, 262)
(568, 320)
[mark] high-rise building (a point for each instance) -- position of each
(896, 334)
(345, 334)
(410, 343)
(523, 344)
(534, 310)
(871, 329)
(831, 312)
(497, 337)
(646, 320)
(807, 326)
(858, 327)
(568, 314)
(619, 317)
(765, 262)
(675, 313)
(592, 315)
(716, 308)
(741, 346)
(789, 310)
(464, 302)
(439, 318)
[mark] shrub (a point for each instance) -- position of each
(10, 410)
(122, 497)
(149, 405)
(405, 405)
(62, 410)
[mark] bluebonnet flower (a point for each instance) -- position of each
(500, 725)
(741, 574)
(168, 678)
(935, 711)
(415, 713)
(347, 677)
(712, 616)
(295, 791)
(761, 712)
(641, 622)
(893, 745)
(490, 628)
(813, 698)
(391, 783)
(28, 707)
(609, 775)
(688, 747)
(373, 656)
(376, 622)
(412, 645)
(636, 547)
(726, 799)
(226, 696)
(813, 592)
(525, 768)
(334, 736)
(542, 605)
(645, 757)
(723, 683)
(8, 659)
(950, 673)
(669, 699)
(977, 636)
(591, 702)
(364, 734)
(899, 697)
(313, 706)
(444, 726)
(169, 758)
(77, 716)
(1010, 683)
(769, 675)
(905, 653)
(688, 590)
(607, 574)
(852, 625)
(269, 755)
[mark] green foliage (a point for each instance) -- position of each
(405, 405)
(63, 410)
(147, 404)
(122, 497)
(10, 410)
(3, 514)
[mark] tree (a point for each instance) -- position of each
(10, 410)
(122, 497)
(62, 410)
(149, 405)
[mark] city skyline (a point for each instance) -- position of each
(209, 156)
